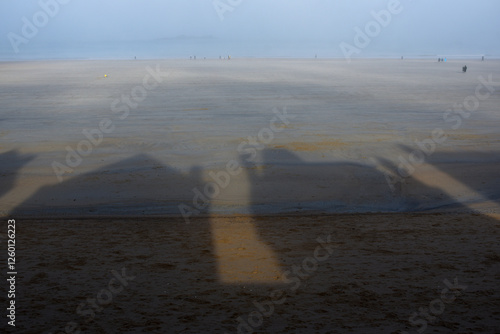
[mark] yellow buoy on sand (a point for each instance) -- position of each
(105, 75)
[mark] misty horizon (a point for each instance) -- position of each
(384, 28)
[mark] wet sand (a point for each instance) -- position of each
(262, 157)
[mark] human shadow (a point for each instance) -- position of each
(369, 275)
(138, 185)
(73, 235)
(471, 176)
(366, 279)
(123, 219)
(285, 183)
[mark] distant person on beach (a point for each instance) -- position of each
(482, 59)
(464, 69)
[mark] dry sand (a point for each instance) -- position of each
(347, 128)
(332, 137)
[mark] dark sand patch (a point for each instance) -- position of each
(382, 269)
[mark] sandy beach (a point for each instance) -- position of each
(347, 197)
(151, 131)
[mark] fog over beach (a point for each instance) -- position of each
(56, 29)
(233, 166)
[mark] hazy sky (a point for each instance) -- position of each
(421, 26)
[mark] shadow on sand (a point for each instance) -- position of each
(369, 275)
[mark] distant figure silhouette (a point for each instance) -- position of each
(482, 59)
(464, 69)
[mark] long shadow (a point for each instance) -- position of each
(477, 170)
(137, 186)
(75, 236)
(383, 267)
(285, 183)
(72, 235)
(380, 270)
